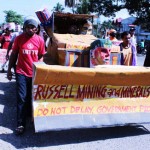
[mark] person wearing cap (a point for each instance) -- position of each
(28, 48)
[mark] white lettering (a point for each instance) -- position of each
(30, 52)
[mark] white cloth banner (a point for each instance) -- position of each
(3, 61)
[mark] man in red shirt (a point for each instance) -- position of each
(6, 39)
(28, 48)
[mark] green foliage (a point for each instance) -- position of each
(107, 25)
(70, 3)
(141, 8)
(83, 7)
(104, 7)
(12, 16)
(58, 8)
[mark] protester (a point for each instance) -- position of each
(133, 38)
(112, 35)
(13, 36)
(87, 28)
(1, 38)
(28, 48)
(6, 39)
(147, 58)
(142, 47)
(128, 51)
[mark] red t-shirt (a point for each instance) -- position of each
(6, 41)
(28, 49)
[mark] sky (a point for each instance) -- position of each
(29, 7)
(26, 7)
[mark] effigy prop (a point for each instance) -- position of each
(66, 49)
(104, 52)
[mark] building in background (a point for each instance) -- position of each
(139, 32)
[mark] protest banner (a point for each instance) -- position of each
(3, 61)
(73, 97)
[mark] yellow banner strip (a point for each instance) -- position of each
(110, 106)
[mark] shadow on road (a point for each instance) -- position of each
(55, 138)
(31, 139)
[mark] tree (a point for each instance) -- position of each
(104, 7)
(83, 7)
(104, 27)
(70, 3)
(12, 16)
(141, 9)
(108, 8)
(58, 7)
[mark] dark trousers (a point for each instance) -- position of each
(24, 98)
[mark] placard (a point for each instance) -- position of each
(60, 101)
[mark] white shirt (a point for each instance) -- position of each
(133, 40)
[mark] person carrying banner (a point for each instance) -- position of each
(28, 48)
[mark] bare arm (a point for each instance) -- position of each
(8, 50)
(12, 62)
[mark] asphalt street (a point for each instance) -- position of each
(131, 137)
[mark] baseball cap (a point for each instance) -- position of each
(31, 22)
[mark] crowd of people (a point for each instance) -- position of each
(129, 47)
(28, 46)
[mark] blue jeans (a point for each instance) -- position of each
(24, 98)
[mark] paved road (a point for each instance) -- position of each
(135, 137)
